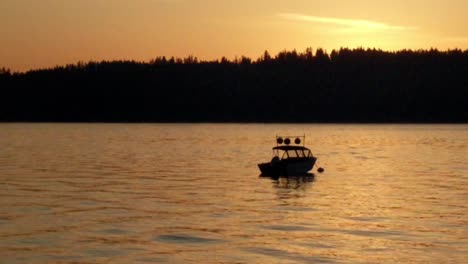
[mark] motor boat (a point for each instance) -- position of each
(289, 159)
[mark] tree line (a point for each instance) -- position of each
(346, 85)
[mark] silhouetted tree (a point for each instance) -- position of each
(308, 55)
(347, 85)
(245, 60)
(266, 57)
(5, 71)
(224, 60)
(321, 56)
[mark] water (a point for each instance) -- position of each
(169, 193)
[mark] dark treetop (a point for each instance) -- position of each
(344, 86)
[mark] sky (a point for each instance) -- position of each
(46, 33)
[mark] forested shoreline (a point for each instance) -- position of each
(346, 85)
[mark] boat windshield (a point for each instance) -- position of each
(296, 153)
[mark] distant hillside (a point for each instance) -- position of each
(344, 86)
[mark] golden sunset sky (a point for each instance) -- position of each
(45, 33)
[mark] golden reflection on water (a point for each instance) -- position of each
(170, 193)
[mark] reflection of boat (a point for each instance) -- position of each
(292, 182)
(295, 159)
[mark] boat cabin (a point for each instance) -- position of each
(289, 159)
(291, 152)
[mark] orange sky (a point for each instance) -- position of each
(45, 33)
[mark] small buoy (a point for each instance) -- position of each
(320, 170)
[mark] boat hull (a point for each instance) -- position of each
(289, 167)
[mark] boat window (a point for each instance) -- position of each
(300, 153)
(292, 154)
(307, 153)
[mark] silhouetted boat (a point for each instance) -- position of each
(289, 159)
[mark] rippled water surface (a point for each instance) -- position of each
(188, 193)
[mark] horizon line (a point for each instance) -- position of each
(235, 57)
